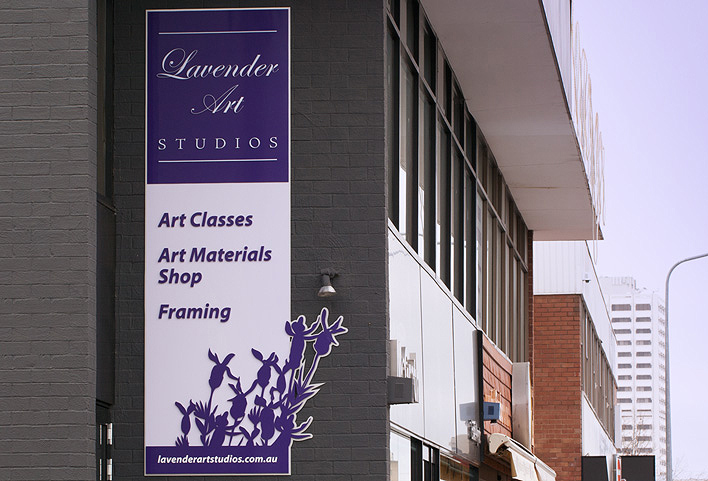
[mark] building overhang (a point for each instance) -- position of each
(505, 62)
(524, 465)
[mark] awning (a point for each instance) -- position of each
(524, 465)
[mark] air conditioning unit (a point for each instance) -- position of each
(401, 390)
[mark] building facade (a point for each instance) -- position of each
(430, 143)
(639, 322)
(575, 373)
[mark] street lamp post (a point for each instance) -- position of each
(669, 464)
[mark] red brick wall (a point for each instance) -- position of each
(557, 383)
(496, 376)
(529, 297)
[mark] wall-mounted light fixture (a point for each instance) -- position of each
(326, 279)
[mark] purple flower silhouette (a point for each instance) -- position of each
(328, 336)
(272, 409)
(186, 425)
(218, 371)
(299, 333)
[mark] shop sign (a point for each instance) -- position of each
(226, 369)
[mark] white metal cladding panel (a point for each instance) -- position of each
(559, 22)
(556, 269)
(563, 267)
(596, 441)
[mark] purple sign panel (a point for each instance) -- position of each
(226, 368)
(217, 96)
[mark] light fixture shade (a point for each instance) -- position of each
(326, 290)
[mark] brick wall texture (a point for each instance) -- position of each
(557, 384)
(496, 374)
(47, 240)
(496, 380)
(338, 221)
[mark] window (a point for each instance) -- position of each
(412, 460)
(643, 400)
(624, 401)
(621, 307)
(624, 366)
(622, 331)
(645, 342)
(597, 380)
(621, 319)
(624, 354)
(643, 354)
(644, 319)
(625, 377)
(643, 331)
(400, 457)
(643, 307)
(644, 365)
(452, 470)
(643, 388)
(445, 193)
(624, 389)
(624, 343)
(642, 377)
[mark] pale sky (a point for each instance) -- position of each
(648, 61)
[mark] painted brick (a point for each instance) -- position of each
(47, 357)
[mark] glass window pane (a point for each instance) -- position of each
(429, 61)
(480, 253)
(443, 207)
(482, 163)
(411, 28)
(459, 115)
(457, 252)
(409, 153)
(489, 229)
(443, 90)
(470, 142)
(470, 263)
(400, 458)
(501, 285)
(426, 181)
(394, 6)
(522, 238)
(451, 470)
(518, 335)
(392, 86)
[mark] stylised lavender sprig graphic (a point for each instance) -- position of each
(274, 397)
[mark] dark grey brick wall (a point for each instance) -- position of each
(338, 221)
(47, 240)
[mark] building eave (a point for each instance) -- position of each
(504, 60)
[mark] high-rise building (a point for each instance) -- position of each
(639, 323)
